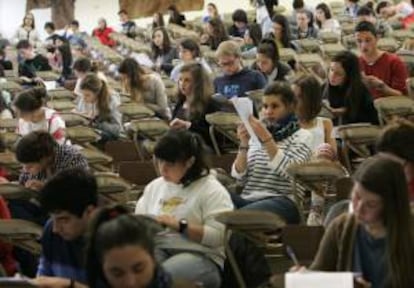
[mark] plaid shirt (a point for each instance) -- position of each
(66, 157)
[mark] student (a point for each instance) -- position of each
(144, 87)
(105, 115)
(128, 27)
(240, 23)
(74, 35)
(369, 240)
(212, 12)
(63, 55)
(117, 243)
(387, 10)
(50, 30)
(348, 97)
(158, 20)
(265, 14)
(31, 63)
(251, 40)
(384, 73)
(188, 51)
(268, 62)
(305, 27)
(324, 19)
(163, 53)
(261, 165)
(7, 64)
(34, 115)
(281, 31)
(298, 6)
(383, 28)
(195, 100)
(102, 32)
(27, 31)
(215, 33)
(351, 8)
(396, 142)
(308, 94)
(236, 79)
(71, 198)
(186, 198)
(175, 16)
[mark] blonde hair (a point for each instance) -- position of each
(228, 48)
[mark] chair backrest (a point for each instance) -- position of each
(73, 119)
(388, 44)
(135, 110)
(391, 107)
(21, 233)
(113, 188)
(82, 134)
(149, 128)
(61, 106)
(139, 173)
(12, 191)
(122, 151)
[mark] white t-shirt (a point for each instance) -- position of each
(52, 123)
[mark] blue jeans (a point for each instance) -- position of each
(280, 205)
(192, 267)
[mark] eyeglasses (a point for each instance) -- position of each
(227, 64)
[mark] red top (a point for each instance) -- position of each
(103, 36)
(390, 69)
(406, 21)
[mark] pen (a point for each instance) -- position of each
(292, 255)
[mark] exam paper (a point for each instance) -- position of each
(319, 280)
(50, 85)
(244, 108)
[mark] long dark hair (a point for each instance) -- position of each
(309, 100)
(160, 22)
(178, 146)
(384, 177)
(35, 146)
(99, 87)
(166, 43)
(353, 82)
(113, 227)
(66, 53)
(325, 8)
(202, 89)
(135, 74)
(268, 47)
(30, 100)
(219, 33)
(282, 21)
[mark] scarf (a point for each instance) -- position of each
(283, 128)
(161, 279)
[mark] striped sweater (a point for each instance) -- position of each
(266, 177)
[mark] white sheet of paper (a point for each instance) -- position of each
(319, 280)
(244, 108)
(50, 85)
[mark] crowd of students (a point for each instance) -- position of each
(174, 240)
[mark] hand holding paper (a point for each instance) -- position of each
(244, 108)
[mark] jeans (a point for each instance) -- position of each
(192, 267)
(279, 205)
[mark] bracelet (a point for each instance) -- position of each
(267, 140)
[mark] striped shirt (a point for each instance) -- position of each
(266, 177)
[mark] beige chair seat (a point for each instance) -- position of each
(112, 187)
(329, 37)
(257, 97)
(11, 191)
(135, 110)
(359, 133)
(8, 124)
(47, 75)
(11, 86)
(95, 156)
(330, 50)
(309, 60)
(308, 45)
(402, 34)
(63, 106)
(73, 119)
(10, 139)
(149, 128)
(82, 134)
(393, 106)
(388, 44)
(60, 94)
(347, 28)
(287, 54)
(9, 160)
(21, 233)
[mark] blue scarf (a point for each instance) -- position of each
(284, 127)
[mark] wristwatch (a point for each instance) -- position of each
(183, 226)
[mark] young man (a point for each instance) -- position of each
(402, 11)
(384, 73)
(127, 26)
(397, 142)
(31, 63)
(237, 80)
(70, 197)
(382, 27)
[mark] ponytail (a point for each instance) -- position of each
(98, 87)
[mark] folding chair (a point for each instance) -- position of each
(347, 27)
(388, 44)
(74, 119)
(60, 94)
(133, 111)
(224, 123)
(9, 161)
(262, 228)
(21, 233)
(11, 86)
(12, 191)
(61, 106)
(402, 34)
(113, 188)
(47, 75)
(307, 45)
(9, 125)
(146, 132)
(82, 135)
(309, 60)
(358, 138)
(330, 50)
(287, 54)
(121, 151)
(257, 97)
(10, 140)
(390, 108)
(315, 176)
(329, 37)
(410, 87)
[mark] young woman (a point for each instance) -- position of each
(163, 52)
(102, 32)
(324, 19)
(369, 241)
(144, 87)
(305, 27)
(261, 161)
(252, 38)
(240, 23)
(105, 115)
(157, 20)
(188, 51)
(212, 12)
(194, 101)
(27, 31)
(121, 252)
(348, 97)
(62, 58)
(175, 16)
(308, 96)
(185, 199)
(267, 61)
(281, 31)
(34, 115)
(215, 33)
